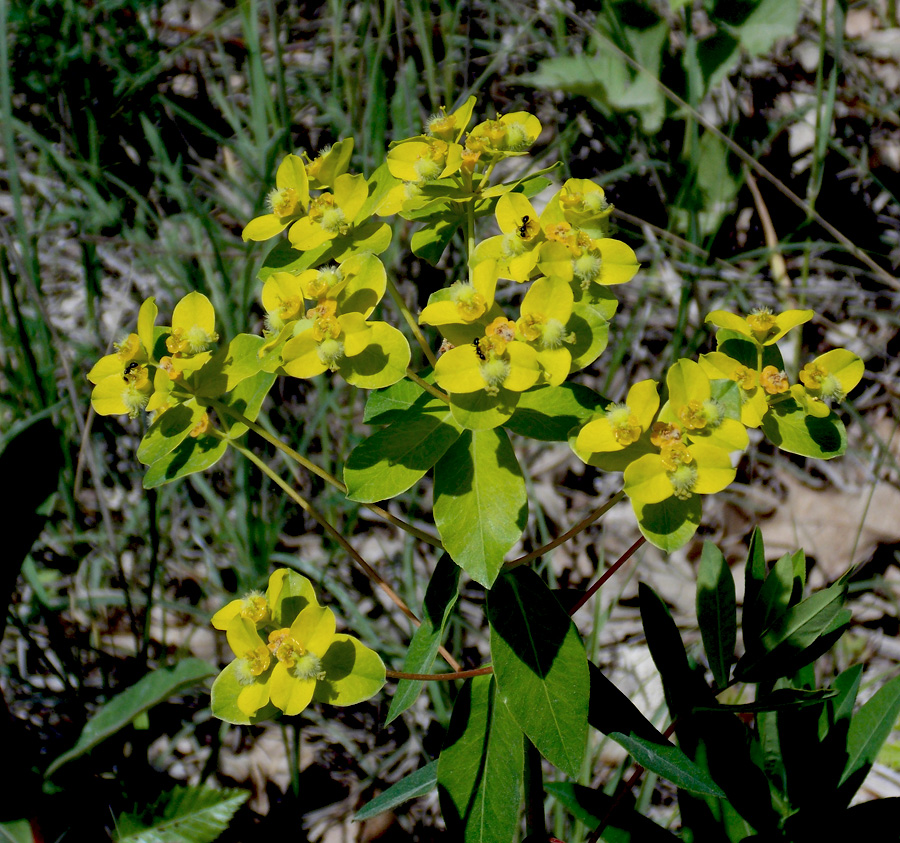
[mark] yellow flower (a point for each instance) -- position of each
(762, 326)
(287, 202)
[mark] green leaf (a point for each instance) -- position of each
(430, 241)
(624, 823)
(382, 363)
(591, 330)
(480, 502)
(191, 456)
(390, 461)
(548, 413)
(247, 398)
(440, 598)
(354, 673)
(540, 666)
(155, 687)
(168, 431)
(671, 763)
(390, 404)
(716, 612)
(228, 366)
(16, 831)
(480, 411)
(775, 594)
(669, 524)
(414, 785)
(791, 635)
(612, 711)
(766, 22)
(481, 767)
(869, 729)
(754, 577)
(789, 428)
(778, 699)
(285, 258)
(183, 815)
(223, 699)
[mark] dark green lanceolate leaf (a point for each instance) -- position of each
(191, 456)
(754, 577)
(390, 461)
(480, 502)
(541, 667)
(183, 815)
(716, 611)
(840, 708)
(430, 241)
(155, 687)
(790, 641)
(624, 824)
(778, 699)
(481, 767)
(778, 591)
(610, 710)
(548, 413)
(869, 729)
(791, 429)
(416, 784)
(671, 763)
(670, 523)
(168, 431)
(247, 399)
(440, 598)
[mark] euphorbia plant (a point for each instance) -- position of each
(524, 314)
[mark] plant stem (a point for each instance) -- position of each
(439, 677)
(429, 388)
(224, 409)
(574, 531)
(306, 506)
(410, 320)
(607, 574)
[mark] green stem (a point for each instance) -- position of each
(431, 389)
(574, 531)
(224, 409)
(326, 525)
(439, 677)
(411, 321)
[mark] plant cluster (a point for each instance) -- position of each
(530, 309)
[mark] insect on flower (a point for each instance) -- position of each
(523, 228)
(478, 350)
(129, 369)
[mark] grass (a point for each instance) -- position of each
(136, 143)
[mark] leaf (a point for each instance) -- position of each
(716, 612)
(16, 831)
(354, 672)
(593, 806)
(480, 503)
(247, 398)
(168, 431)
(183, 815)
(228, 366)
(440, 598)
(611, 711)
(783, 644)
(548, 413)
(283, 257)
(430, 241)
(481, 767)
(389, 404)
(788, 427)
(156, 686)
(414, 785)
(767, 21)
(390, 461)
(382, 362)
(541, 667)
(778, 699)
(869, 729)
(754, 577)
(669, 524)
(671, 763)
(191, 456)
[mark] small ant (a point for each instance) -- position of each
(129, 369)
(523, 228)
(478, 349)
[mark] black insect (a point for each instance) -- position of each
(523, 228)
(478, 349)
(129, 369)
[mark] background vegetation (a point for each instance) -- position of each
(751, 150)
